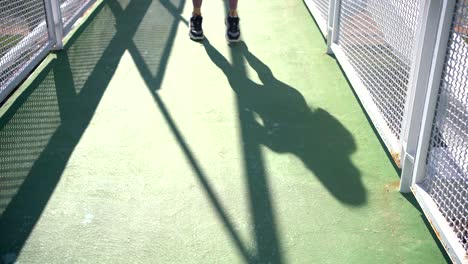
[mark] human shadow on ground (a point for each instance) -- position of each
(286, 124)
(76, 83)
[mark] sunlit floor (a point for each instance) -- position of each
(138, 145)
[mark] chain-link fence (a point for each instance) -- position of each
(71, 9)
(322, 6)
(377, 38)
(23, 36)
(320, 9)
(446, 174)
(28, 31)
(407, 61)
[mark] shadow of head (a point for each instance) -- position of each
(277, 116)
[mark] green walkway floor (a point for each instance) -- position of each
(137, 145)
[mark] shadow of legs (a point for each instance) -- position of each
(289, 125)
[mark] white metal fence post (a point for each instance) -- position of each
(50, 22)
(423, 184)
(418, 85)
(54, 22)
(438, 58)
(332, 24)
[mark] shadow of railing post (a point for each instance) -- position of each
(261, 207)
(153, 83)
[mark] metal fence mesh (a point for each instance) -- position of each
(23, 35)
(447, 162)
(378, 39)
(322, 6)
(70, 9)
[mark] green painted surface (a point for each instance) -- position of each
(137, 145)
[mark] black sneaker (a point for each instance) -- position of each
(233, 31)
(196, 31)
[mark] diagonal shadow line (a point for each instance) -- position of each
(122, 18)
(268, 245)
(204, 181)
(153, 83)
(175, 11)
(268, 248)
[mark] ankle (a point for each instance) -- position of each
(233, 13)
(196, 12)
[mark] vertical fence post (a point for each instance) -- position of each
(332, 24)
(50, 22)
(54, 22)
(426, 34)
(434, 85)
(424, 84)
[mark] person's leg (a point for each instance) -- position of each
(197, 7)
(196, 30)
(232, 21)
(232, 8)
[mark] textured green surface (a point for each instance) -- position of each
(137, 145)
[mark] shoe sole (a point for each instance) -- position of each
(192, 37)
(233, 40)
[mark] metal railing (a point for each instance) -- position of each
(29, 30)
(441, 173)
(407, 61)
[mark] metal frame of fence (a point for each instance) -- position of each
(412, 41)
(440, 176)
(50, 27)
